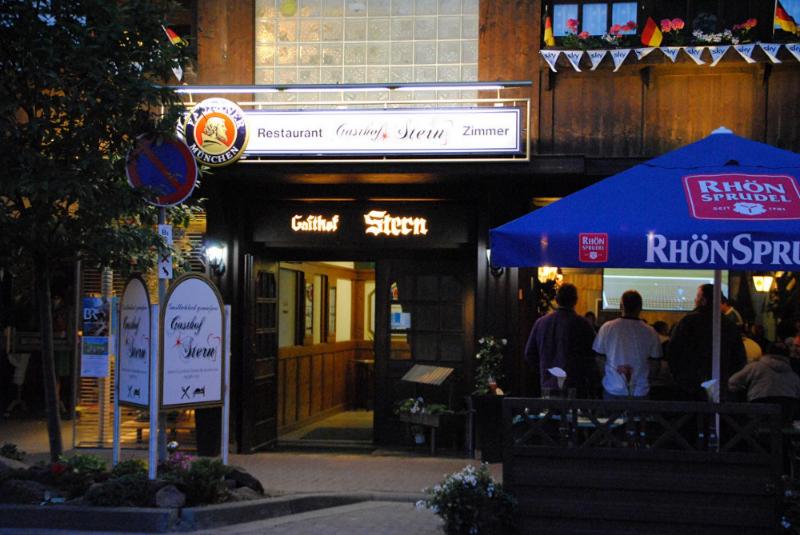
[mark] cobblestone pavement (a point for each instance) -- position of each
(367, 518)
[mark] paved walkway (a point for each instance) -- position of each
(288, 473)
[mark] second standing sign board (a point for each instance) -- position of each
(192, 344)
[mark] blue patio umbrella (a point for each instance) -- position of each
(723, 202)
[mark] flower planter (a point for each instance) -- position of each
(428, 420)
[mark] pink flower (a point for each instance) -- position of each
(751, 23)
(737, 26)
(630, 25)
(583, 35)
(677, 24)
(666, 25)
(572, 24)
(615, 29)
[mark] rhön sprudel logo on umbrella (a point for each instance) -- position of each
(216, 132)
(593, 247)
(754, 197)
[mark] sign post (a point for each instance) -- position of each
(166, 173)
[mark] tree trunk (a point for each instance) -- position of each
(42, 277)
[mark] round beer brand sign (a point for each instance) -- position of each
(216, 132)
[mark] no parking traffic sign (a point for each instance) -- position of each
(166, 172)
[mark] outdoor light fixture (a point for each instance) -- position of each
(547, 273)
(762, 282)
(495, 271)
(215, 256)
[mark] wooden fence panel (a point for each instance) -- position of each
(588, 466)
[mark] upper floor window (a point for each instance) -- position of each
(593, 17)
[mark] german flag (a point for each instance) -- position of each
(783, 20)
(651, 35)
(174, 38)
(549, 40)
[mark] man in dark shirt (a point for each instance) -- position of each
(689, 349)
(563, 339)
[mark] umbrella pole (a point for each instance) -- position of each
(716, 345)
(716, 332)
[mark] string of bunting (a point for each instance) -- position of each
(716, 52)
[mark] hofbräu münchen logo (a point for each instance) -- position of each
(216, 132)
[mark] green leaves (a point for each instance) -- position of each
(82, 79)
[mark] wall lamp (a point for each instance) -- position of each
(495, 271)
(762, 282)
(549, 274)
(216, 253)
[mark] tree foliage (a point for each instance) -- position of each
(82, 79)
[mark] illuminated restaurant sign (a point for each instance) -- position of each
(381, 222)
(393, 131)
(363, 225)
(315, 223)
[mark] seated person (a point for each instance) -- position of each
(751, 349)
(768, 378)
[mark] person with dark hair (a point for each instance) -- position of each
(562, 339)
(731, 313)
(592, 319)
(689, 350)
(627, 343)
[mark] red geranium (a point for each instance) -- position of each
(58, 468)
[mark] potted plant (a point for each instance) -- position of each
(487, 398)
(416, 412)
(471, 501)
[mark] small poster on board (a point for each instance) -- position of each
(94, 356)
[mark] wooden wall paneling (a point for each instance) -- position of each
(316, 386)
(547, 94)
(508, 48)
(783, 107)
(281, 393)
(291, 378)
(598, 114)
(304, 387)
(685, 104)
(226, 43)
(329, 380)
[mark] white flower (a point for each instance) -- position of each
(420, 505)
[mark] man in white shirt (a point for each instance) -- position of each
(627, 343)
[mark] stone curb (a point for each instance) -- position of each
(152, 520)
(88, 518)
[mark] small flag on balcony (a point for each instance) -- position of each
(783, 20)
(174, 38)
(651, 35)
(549, 40)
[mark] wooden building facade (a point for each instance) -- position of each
(584, 126)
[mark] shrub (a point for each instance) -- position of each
(76, 474)
(129, 490)
(129, 467)
(10, 451)
(470, 502)
(204, 482)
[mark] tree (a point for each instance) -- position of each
(80, 83)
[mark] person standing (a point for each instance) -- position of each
(627, 343)
(690, 347)
(562, 339)
(731, 313)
